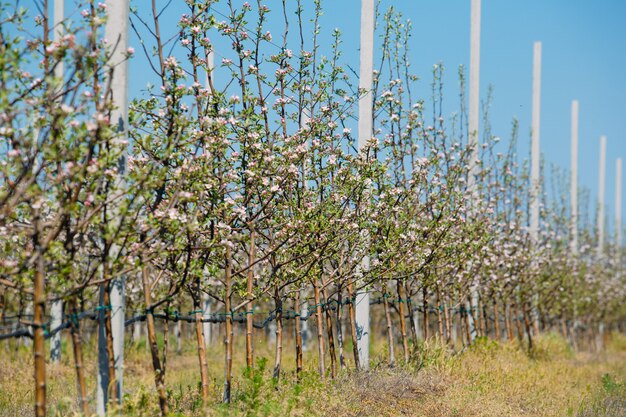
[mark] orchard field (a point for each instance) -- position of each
(489, 379)
(262, 228)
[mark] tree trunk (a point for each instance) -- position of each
(528, 326)
(342, 359)
(478, 315)
(159, 375)
(483, 314)
(496, 319)
(405, 343)
(425, 306)
(572, 332)
(279, 335)
(298, 330)
(440, 316)
(112, 388)
(475, 320)
(563, 327)
(446, 318)
(468, 331)
(329, 330)
(409, 304)
(518, 323)
(200, 340)
(228, 336)
(320, 331)
(83, 401)
(353, 331)
(392, 355)
(39, 353)
(507, 322)
(250, 309)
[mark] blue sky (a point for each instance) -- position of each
(584, 56)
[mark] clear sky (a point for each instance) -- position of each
(584, 58)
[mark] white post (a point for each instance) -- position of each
(206, 314)
(136, 331)
(473, 116)
(102, 380)
(59, 15)
(116, 31)
(601, 193)
(535, 185)
(118, 316)
(416, 318)
(474, 78)
(57, 307)
(601, 213)
(618, 204)
(56, 314)
(574, 192)
(574, 179)
(178, 330)
(534, 172)
(304, 311)
(365, 134)
(271, 332)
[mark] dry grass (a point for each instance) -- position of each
(488, 380)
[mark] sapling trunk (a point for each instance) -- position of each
(563, 328)
(480, 316)
(320, 330)
(409, 305)
(79, 366)
(446, 318)
(518, 323)
(572, 333)
(112, 387)
(298, 331)
(159, 374)
(166, 343)
(528, 326)
(250, 309)
(342, 359)
(466, 321)
(279, 334)
(204, 368)
(39, 299)
(353, 330)
(228, 336)
(401, 313)
(472, 313)
(456, 327)
(392, 355)
(425, 312)
(496, 318)
(440, 316)
(483, 311)
(483, 314)
(329, 329)
(507, 322)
